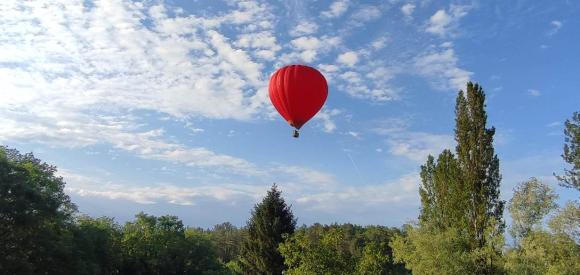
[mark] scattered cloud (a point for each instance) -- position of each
(326, 117)
(440, 64)
(308, 48)
(366, 13)
(402, 190)
(87, 186)
(413, 145)
(349, 58)
(304, 28)
(408, 9)
(445, 22)
(556, 26)
(354, 134)
(380, 43)
(534, 92)
(337, 8)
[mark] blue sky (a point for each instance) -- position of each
(162, 106)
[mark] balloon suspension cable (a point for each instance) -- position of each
(296, 133)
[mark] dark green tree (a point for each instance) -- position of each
(478, 163)
(271, 220)
(35, 216)
(97, 247)
(571, 155)
(443, 196)
(162, 245)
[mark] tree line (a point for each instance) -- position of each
(460, 228)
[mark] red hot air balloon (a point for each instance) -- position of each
(298, 92)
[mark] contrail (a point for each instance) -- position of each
(355, 166)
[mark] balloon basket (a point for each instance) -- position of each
(296, 134)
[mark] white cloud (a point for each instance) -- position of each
(306, 43)
(534, 92)
(309, 190)
(263, 44)
(349, 58)
(87, 186)
(402, 190)
(408, 9)
(303, 175)
(556, 26)
(354, 134)
(107, 57)
(413, 145)
(443, 23)
(369, 82)
(307, 48)
(440, 65)
(304, 28)
(336, 9)
(77, 74)
(325, 116)
(367, 13)
(379, 43)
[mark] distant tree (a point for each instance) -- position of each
(531, 202)
(340, 249)
(162, 245)
(567, 221)
(460, 203)
(543, 253)
(227, 239)
(35, 216)
(271, 220)
(426, 251)
(327, 254)
(571, 155)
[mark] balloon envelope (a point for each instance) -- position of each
(298, 92)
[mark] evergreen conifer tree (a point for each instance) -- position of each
(271, 220)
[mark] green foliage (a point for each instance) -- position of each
(374, 260)
(162, 245)
(35, 216)
(227, 239)
(443, 195)
(97, 248)
(544, 253)
(324, 254)
(478, 165)
(567, 221)
(271, 219)
(531, 202)
(460, 226)
(571, 155)
(428, 250)
(340, 249)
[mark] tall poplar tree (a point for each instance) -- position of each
(460, 205)
(478, 164)
(271, 220)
